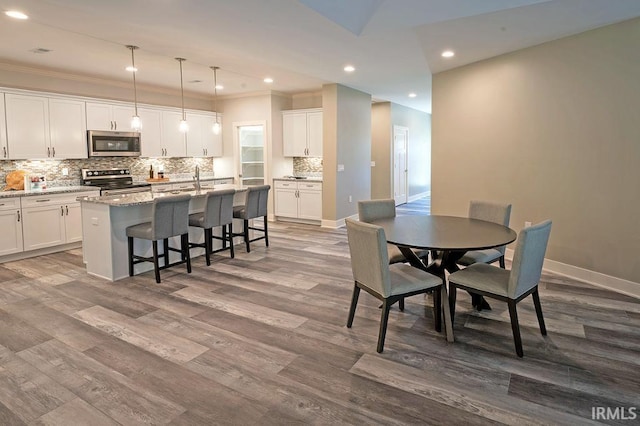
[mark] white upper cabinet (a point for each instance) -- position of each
(3, 131)
(201, 141)
(302, 133)
(174, 143)
(151, 132)
(67, 127)
(104, 116)
(40, 127)
(27, 126)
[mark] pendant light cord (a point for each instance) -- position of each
(215, 90)
(184, 117)
(135, 90)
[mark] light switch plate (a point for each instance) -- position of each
(341, 167)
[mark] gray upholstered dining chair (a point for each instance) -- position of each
(218, 211)
(169, 218)
(509, 286)
(255, 206)
(369, 210)
(490, 212)
(388, 283)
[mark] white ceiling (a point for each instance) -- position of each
(395, 45)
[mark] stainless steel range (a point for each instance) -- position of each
(113, 181)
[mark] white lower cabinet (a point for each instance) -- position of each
(51, 220)
(298, 200)
(11, 225)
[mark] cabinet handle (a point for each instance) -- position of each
(42, 201)
(48, 152)
(115, 125)
(67, 209)
(4, 150)
(61, 211)
(111, 125)
(18, 211)
(54, 151)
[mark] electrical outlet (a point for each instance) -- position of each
(527, 224)
(373, 164)
(350, 199)
(341, 167)
(65, 171)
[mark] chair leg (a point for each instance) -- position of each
(453, 290)
(437, 310)
(266, 232)
(354, 302)
(207, 245)
(515, 327)
(401, 304)
(383, 325)
(246, 235)
(130, 245)
(156, 267)
(185, 251)
(501, 260)
(536, 303)
(224, 236)
(165, 244)
(230, 239)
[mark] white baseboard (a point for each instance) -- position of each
(598, 279)
(335, 224)
(416, 197)
(39, 252)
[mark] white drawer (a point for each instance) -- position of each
(310, 186)
(285, 184)
(43, 200)
(9, 203)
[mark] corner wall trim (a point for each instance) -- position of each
(598, 279)
(335, 224)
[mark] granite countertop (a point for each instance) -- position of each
(147, 197)
(303, 179)
(53, 190)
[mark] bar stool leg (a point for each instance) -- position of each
(185, 251)
(230, 235)
(246, 235)
(207, 245)
(130, 245)
(165, 244)
(266, 232)
(156, 267)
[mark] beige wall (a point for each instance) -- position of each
(346, 141)
(555, 130)
(381, 151)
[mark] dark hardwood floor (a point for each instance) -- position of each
(261, 339)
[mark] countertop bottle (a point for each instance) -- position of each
(151, 172)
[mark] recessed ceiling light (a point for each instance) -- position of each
(131, 69)
(349, 68)
(448, 54)
(268, 80)
(16, 14)
(412, 95)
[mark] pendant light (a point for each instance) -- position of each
(216, 125)
(184, 126)
(136, 124)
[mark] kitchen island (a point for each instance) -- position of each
(105, 220)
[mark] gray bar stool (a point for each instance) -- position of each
(169, 218)
(254, 207)
(218, 211)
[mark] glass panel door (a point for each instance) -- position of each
(251, 139)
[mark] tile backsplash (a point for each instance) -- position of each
(52, 169)
(307, 166)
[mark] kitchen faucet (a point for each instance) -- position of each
(196, 178)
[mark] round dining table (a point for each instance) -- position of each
(450, 236)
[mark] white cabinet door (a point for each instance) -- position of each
(43, 226)
(11, 225)
(122, 116)
(200, 135)
(173, 140)
(286, 203)
(67, 127)
(151, 132)
(310, 204)
(3, 131)
(27, 126)
(294, 134)
(73, 222)
(99, 116)
(314, 134)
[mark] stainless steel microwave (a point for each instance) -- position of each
(113, 144)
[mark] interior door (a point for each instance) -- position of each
(400, 142)
(249, 139)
